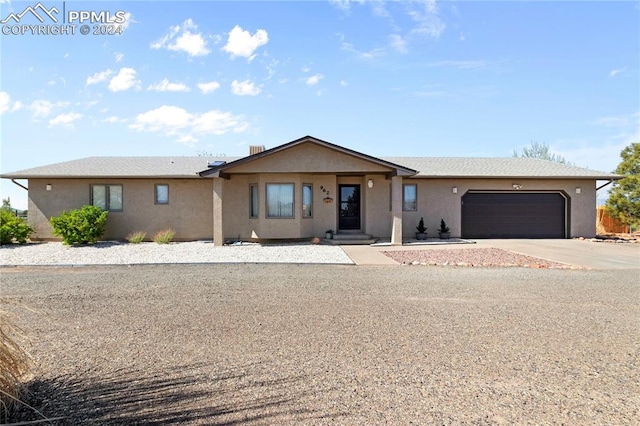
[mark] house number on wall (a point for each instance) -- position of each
(326, 199)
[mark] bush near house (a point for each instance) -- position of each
(136, 237)
(164, 237)
(81, 226)
(13, 227)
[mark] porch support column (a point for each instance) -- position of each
(218, 233)
(396, 210)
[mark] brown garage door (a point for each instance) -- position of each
(513, 215)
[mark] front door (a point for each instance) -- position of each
(349, 207)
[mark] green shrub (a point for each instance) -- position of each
(136, 237)
(13, 228)
(164, 237)
(81, 226)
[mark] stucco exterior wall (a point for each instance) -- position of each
(309, 157)
(236, 212)
(436, 200)
(189, 212)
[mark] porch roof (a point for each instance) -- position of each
(390, 168)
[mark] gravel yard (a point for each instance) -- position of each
(329, 344)
(487, 257)
(115, 253)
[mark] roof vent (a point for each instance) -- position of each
(255, 149)
(215, 163)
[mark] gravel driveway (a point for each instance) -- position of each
(314, 344)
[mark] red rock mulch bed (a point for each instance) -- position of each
(478, 257)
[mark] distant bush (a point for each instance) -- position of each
(136, 237)
(164, 237)
(13, 228)
(81, 226)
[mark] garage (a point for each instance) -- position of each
(514, 215)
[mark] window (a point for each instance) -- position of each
(253, 196)
(107, 197)
(307, 200)
(280, 200)
(162, 194)
(410, 197)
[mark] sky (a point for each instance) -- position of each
(387, 78)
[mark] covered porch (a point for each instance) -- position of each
(304, 188)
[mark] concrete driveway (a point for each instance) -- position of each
(595, 255)
(585, 253)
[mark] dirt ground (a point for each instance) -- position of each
(313, 344)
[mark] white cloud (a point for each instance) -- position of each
(186, 126)
(128, 20)
(17, 106)
(613, 73)
(42, 108)
(124, 80)
(425, 15)
(623, 120)
(242, 43)
(208, 87)
(343, 83)
(305, 69)
(113, 119)
(244, 88)
(398, 43)
(98, 77)
(65, 120)
(5, 99)
(181, 38)
(345, 5)
(314, 79)
(119, 56)
(166, 86)
(372, 54)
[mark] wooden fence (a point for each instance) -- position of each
(606, 224)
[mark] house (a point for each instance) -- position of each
(303, 188)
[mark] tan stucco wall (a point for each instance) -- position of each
(309, 157)
(189, 212)
(436, 200)
(236, 214)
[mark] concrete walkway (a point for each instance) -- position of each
(585, 253)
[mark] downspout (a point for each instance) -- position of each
(19, 184)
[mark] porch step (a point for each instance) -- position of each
(350, 238)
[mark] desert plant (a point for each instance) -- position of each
(164, 237)
(13, 228)
(14, 364)
(136, 237)
(421, 228)
(81, 226)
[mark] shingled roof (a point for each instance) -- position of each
(427, 167)
(492, 167)
(121, 167)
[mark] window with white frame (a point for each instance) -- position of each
(410, 197)
(162, 193)
(280, 200)
(253, 197)
(307, 200)
(107, 197)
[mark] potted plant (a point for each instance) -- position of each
(444, 230)
(328, 234)
(422, 230)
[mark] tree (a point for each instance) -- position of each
(624, 199)
(540, 150)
